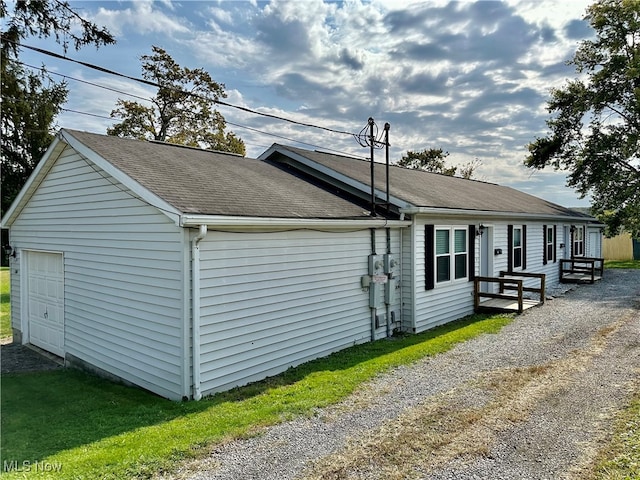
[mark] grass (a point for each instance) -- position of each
(635, 264)
(621, 459)
(91, 428)
(5, 316)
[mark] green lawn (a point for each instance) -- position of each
(622, 264)
(621, 458)
(5, 316)
(92, 428)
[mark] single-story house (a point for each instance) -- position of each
(459, 229)
(189, 272)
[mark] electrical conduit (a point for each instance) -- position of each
(195, 309)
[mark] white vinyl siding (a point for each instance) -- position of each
(451, 300)
(274, 300)
(408, 283)
(534, 249)
(123, 265)
(447, 301)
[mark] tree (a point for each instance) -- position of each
(433, 160)
(428, 160)
(595, 127)
(181, 111)
(31, 101)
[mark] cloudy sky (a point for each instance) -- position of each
(472, 78)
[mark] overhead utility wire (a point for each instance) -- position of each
(157, 85)
(65, 76)
(229, 123)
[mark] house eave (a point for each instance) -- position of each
(462, 212)
(188, 221)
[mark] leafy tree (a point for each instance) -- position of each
(30, 101)
(595, 127)
(433, 160)
(181, 111)
(428, 160)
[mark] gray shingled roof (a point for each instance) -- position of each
(211, 183)
(424, 189)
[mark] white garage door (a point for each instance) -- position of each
(46, 301)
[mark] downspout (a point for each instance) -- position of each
(195, 309)
(389, 285)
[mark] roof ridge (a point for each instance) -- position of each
(200, 149)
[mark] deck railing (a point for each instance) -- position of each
(581, 269)
(508, 283)
(540, 290)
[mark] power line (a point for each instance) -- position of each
(65, 76)
(111, 89)
(157, 85)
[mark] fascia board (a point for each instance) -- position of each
(453, 212)
(139, 190)
(288, 223)
(329, 173)
(42, 168)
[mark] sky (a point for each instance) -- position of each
(472, 78)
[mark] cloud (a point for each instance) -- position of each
(470, 77)
(143, 17)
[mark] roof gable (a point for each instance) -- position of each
(181, 180)
(419, 189)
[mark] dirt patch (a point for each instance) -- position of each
(16, 358)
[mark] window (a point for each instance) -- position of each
(517, 247)
(443, 256)
(460, 253)
(550, 245)
(549, 235)
(451, 254)
(517, 252)
(578, 241)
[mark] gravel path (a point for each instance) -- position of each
(532, 402)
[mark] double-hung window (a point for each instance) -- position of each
(578, 242)
(451, 253)
(517, 241)
(517, 247)
(549, 234)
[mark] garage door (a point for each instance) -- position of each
(45, 276)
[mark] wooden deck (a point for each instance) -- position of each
(581, 270)
(508, 282)
(579, 278)
(506, 305)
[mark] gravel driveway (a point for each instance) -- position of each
(533, 402)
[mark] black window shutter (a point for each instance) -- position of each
(544, 245)
(509, 248)
(472, 252)
(524, 247)
(429, 257)
(555, 237)
(572, 250)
